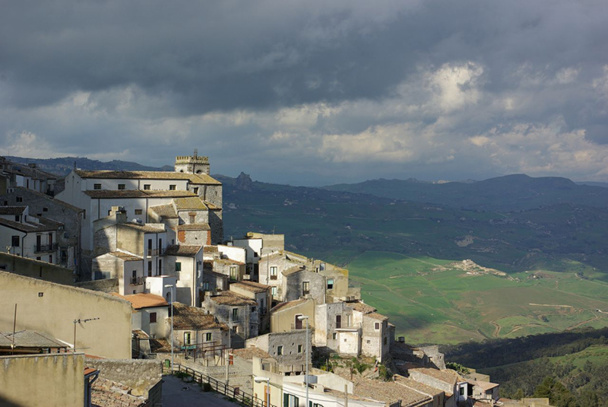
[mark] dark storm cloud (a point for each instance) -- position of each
(403, 86)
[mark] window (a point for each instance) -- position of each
(16, 218)
(235, 314)
(19, 199)
(45, 209)
(187, 338)
(377, 326)
(149, 269)
(160, 267)
(153, 317)
(147, 187)
(279, 350)
(208, 337)
(138, 211)
(273, 291)
(178, 266)
(149, 246)
(15, 241)
(385, 340)
(121, 186)
(172, 187)
(300, 348)
(233, 273)
(334, 335)
(330, 284)
(273, 272)
(305, 287)
(96, 186)
(195, 190)
(252, 309)
(290, 400)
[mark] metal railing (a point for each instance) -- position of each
(219, 386)
(46, 248)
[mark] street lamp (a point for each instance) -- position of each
(171, 338)
(302, 318)
(267, 395)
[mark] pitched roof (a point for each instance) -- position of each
(136, 193)
(251, 286)
(446, 375)
(182, 250)
(164, 175)
(125, 256)
(361, 307)
(388, 392)
(286, 305)
(146, 227)
(143, 300)
(166, 211)
(44, 225)
(186, 317)
(231, 298)
(375, 315)
(191, 203)
(12, 210)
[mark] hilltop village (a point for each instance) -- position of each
(111, 278)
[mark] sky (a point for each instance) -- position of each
(315, 92)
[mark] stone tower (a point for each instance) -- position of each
(192, 164)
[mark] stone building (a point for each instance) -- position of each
(240, 313)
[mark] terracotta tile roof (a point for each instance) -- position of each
(228, 262)
(292, 270)
(230, 298)
(413, 384)
(126, 256)
(485, 386)
(182, 250)
(140, 301)
(361, 307)
(164, 175)
(166, 211)
(251, 286)
(186, 317)
(146, 227)
(375, 315)
(192, 203)
(286, 305)
(194, 226)
(135, 193)
(446, 375)
(12, 210)
(388, 392)
(250, 353)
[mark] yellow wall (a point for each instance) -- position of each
(52, 308)
(42, 380)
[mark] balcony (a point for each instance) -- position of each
(45, 248)
(137, 281)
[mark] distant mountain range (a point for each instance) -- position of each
(512, 223)
(63, 165)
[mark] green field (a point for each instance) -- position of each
(432, 301)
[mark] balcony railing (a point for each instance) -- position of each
(41, 248)
(137, 280)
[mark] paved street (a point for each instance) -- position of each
(176, 393)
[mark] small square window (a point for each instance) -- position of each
(178, 266)
(279, 350)
(152, 317)
(19, 199)
(208, 337)
(121, 186)
(96, 186)
(15, 241)
(300, 348)
(45, 209)
(330, 284)
(377, 326)
(172, 187)
(138, 211)
(146, 187)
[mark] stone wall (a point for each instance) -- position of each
(36, 269)
(112, 394)
(109, 285)
(137, 374)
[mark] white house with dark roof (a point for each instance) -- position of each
(97, 192)
(239, 312)
(186, 263)
(28, 236)
(127, 268)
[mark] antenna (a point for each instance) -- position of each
(195, 152)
